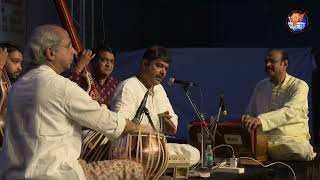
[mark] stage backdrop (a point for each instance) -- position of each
(12, 22)
(231, 71)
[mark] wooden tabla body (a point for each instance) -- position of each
(252, 144)
(147, 148)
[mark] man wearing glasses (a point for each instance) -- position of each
(46, 113)
(279, 106)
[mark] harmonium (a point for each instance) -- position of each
(253, 143)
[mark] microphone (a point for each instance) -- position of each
(137, 117)
(223, 109)
(173, 81)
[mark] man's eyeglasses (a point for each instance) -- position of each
(67, 46)
(272, 61)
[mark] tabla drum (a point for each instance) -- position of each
(147, 148)
(95, 147)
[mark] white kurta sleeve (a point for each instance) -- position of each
(87, 112)
(167, 106)
(124, 101)
(292, 112)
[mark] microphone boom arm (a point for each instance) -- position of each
(201, 119)
(196, 110)
(146, 111)
(137, 118)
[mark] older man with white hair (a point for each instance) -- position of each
(45, 114)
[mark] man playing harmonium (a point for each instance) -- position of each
(279, 105)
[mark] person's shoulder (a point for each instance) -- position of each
(42, 74)
(159, 87)
(263, 82)
(44, 79)
(115, 80)
(129, 83)
(297, 82)
(56, 79)
(132, 81)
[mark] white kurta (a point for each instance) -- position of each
(127, 98)
(43, 134)
(129, 94)
(283, 111)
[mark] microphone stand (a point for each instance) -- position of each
(146, 111)
(201, 119)
(137, 118)
(214, 126)
(214, 122)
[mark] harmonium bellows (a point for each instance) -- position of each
(252, 144)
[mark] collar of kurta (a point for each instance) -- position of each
(155, 88)
(284, 83)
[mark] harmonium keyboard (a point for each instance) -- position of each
(251, 144)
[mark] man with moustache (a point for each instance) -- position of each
(129, 94)
(279, 106)
(100, 63)
(152, 71)
(101, 68)
(46, 113)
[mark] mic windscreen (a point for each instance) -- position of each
(223, 109)
(171, 81)
(225, 112)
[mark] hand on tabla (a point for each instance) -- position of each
(132, 127)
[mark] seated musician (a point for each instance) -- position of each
(13, 65)
(100, 63)
(101, 69)
(45, 114)
(279, 105)
(11, 62)
(129, 94)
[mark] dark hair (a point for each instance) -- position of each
(10, 47)
(157, 52)
(284, 54)
(101, 48)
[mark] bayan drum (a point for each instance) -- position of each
(147, 148)
(95, 147)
